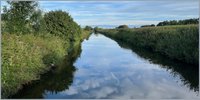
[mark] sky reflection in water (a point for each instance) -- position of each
(105, 70)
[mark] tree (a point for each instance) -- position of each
(122, 26)
(173, 22)
(88, 28)
(61, 24)
(37, 22)
(17, 16)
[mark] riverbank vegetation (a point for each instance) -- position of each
(32, 41)
(25, 57)
(174, 67)
(56, 80)
(178, 42)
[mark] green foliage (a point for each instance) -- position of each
(152, 25)
(85, 34)
(180, 22)
(177, 42)
(17, 16)
(25, 57)
(56, 80)
(37, 22)
(96, 29)
(59, 23)
(122, 27)
(31, 42)
(88, 28)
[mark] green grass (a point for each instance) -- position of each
(26, 57)
(178, 42)
(85, 34)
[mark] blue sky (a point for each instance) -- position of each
(125, 12)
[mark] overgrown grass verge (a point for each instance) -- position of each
(26, 57)
(85, 34)
(180, 42)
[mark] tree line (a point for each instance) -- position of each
(179, 22)
(175, 22)
(164, 23)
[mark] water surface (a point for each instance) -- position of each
(109, 69)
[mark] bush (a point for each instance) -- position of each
(122, 27)
(25, 57)
(59, 23)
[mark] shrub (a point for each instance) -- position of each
(25, 57)
(122, 27)
(61, 24)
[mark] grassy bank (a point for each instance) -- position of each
(25, 57)
(85, 34)
(178, 42)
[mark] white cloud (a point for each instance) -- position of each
(126, 76)
(124, 12)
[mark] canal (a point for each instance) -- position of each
(103, 68)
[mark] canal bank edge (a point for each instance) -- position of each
(39, 53)
(177, 42)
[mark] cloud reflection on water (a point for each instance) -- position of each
(107, 71)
